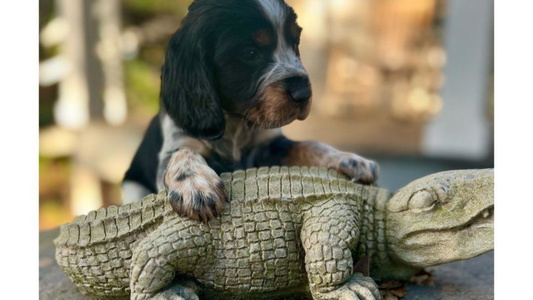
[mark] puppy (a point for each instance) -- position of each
(232, 77)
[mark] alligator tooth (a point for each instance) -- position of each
(486, 213)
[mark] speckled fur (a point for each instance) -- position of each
(196, 191)
(357, 168)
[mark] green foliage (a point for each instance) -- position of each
(54, 185)
(178, 8)
(142, 83)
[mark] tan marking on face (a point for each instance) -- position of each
(275, 109)
(263, 37)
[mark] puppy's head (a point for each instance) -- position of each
(235, 56)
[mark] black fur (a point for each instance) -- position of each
(206, 77)
(187, 80)
(206, 67)
(272, 153)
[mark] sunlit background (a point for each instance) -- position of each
(405, 82)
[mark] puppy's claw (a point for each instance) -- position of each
(198, 205)
(195, 190)
(357, 168)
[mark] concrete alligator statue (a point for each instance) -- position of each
(287, 233)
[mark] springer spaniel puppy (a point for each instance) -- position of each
(232, 77)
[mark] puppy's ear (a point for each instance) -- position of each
(187, 83)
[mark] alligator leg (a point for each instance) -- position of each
(327, 240)
(174, 247)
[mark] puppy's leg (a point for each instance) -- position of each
(195, 190)
(310, 153)
(281, 150)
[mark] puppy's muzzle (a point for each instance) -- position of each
(299, 90)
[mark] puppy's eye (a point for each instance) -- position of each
(250, 53)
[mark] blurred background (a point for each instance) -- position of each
(408, 83)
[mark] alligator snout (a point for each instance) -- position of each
(442, 218)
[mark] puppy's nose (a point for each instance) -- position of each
(299, 88)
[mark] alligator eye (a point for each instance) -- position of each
(422, 200)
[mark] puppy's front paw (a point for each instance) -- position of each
(357, 168)
(194, 189)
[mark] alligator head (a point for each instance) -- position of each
(442, 218)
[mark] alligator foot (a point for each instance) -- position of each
(180, 290)
(357, 287)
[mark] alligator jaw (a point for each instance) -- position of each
(457, 243)
(483, 219)
(442, 218)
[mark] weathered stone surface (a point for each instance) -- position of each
(310, 250)
(54, 284)
(470, 279)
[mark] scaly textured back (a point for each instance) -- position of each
(265, 216)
